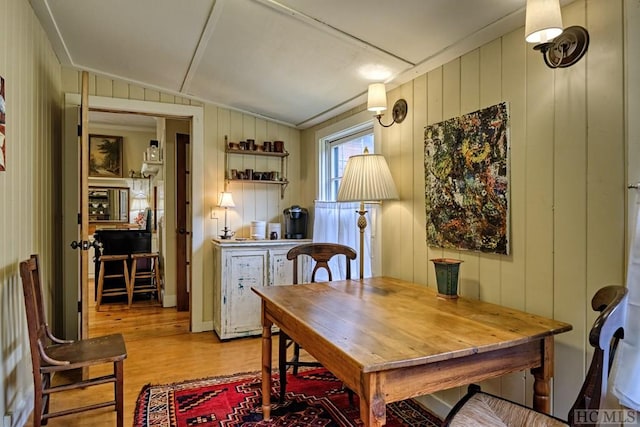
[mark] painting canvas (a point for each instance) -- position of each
(3, 129)
(105, 156)
(467, 181)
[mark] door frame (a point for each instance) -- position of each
(70, 199)
(632, 107)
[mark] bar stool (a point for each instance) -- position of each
(150, 276)
(124, 274)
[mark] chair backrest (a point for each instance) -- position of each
(321, 253)
(607, 330)
(36, 320)
(40, 335)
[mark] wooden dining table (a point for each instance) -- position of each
(389, 339)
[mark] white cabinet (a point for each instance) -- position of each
(239, 266)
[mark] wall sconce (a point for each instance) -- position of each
(377, 102)
(560, 49)
(226, 202)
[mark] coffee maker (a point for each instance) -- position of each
(295, 222)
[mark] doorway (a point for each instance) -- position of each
(72, 328)
(153, 178)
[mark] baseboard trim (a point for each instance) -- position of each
(169, 301)
(435, 405)
(21, 413)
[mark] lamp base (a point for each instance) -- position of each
(227, 233)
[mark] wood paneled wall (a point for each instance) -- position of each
(253, 201)
(567, 183)
(29, 189)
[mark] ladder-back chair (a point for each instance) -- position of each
(50, 355)
(480, 409)
(321, 253)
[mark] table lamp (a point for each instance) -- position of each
(226, 202)
(138, 205)
(366, 178)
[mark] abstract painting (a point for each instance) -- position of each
(467, 181)
(3, 129)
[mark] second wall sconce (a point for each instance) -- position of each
(377, 102)
(560, 48)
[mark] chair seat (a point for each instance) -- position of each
(478, 408)
(87, 352)
(483, 409)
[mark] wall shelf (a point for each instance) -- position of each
(239, 175)
(151, 168)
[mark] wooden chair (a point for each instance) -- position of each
(147, 277)
(321, 253)
(50, 355)
(478, 408)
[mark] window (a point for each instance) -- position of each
(338, 147)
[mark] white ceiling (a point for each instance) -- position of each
(297, 62)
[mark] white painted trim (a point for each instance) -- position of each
(349, 122)
(169, 301)
(435, 405)
(197, 183)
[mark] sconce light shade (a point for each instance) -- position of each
(377, 98)
(226, 201)
(543, 21)
(377, 102)
(560, 48)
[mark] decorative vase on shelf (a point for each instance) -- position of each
(447, 271)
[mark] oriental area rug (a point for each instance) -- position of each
(314, 398)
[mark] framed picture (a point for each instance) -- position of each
(105, 156)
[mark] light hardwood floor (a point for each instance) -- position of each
(160, 350)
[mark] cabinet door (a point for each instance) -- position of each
(246, 269)
(281, 272)
(281, 268)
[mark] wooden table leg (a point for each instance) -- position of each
(266, 367)
(542, 378)
(373, 409)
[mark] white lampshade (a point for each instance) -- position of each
(226, 201)
(544, 21)
(367, 178)
(139, 202)
(377, 98)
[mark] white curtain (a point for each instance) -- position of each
(627, 375)
(338, 223)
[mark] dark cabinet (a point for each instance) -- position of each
(120, 242)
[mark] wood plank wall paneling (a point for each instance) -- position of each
(570, 211)
(513, 269)
(253, 201)
(419, 231)
(29, 190)
(567, 186)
